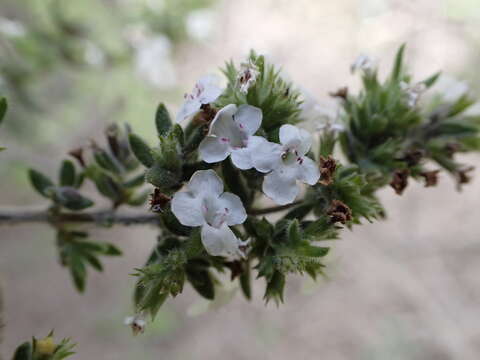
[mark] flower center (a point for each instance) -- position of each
(290, 156)
(215, 216)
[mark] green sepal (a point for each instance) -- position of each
(246, 282)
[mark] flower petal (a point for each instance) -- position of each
(187, 208)
(188, 108)
(210, 89)
(242, 158)
(266, 155)
(221, 242)
(281, 186)
(213, 150)
(293, 137)
(308, 171)
(205, 182)
(233, 206)
(248, 118)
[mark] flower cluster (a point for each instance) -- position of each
(231, 133)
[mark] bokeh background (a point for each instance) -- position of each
(404, 288)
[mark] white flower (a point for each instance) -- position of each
(329, 125)
(153, 61)
(205, 91)
(364, 63)
(12, 28)
(137, 323)
(247, 76)
(231, 133)
(287, 163)
(413, 93)
(205, 204)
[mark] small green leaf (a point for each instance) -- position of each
(23, 352)
(294, 232)
(3, 108)
(67, 174)
(70, 198)
(162, 120)
(201, 281)
(40, 183)
(245, 282)
(141, 150)
(398, 65)
(78, 272)
(429, 82)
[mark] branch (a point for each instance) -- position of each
(273, 209)
(105, 217)
(102, 217)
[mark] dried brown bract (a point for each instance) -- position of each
(431, 177)
(205, 116)
(400, 180)
(158, 201)
(341, 93)
(339, 212)
(327, 170)
(413, 157)
(452, 148)
(463, 177)
(78, 155)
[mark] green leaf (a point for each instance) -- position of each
(93, 260)
(275, 288)
(70, 198)
(67, 174)
(294, 232)
(141, 150)
(78, 272)
(23, 352)
(162, 120)
(429, 82)
(201, 281)
(245, 282)
(105, 161)
(3, 109)
(41, 183)
(398, 65)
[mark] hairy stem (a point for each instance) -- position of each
(273, 209)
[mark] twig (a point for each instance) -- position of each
(273, 209)
(98, 218)
(101, 218)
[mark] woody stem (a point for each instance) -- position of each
(102, 217)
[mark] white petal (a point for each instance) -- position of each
(289, 134)
(223, 124)
(189, 107)
(205, 182)
(308, 171)
(233, 206)
(281, 186)
(211, 90)
(242, 158)
(266, 155)
(213, 150)
(293, 137)
(221, 242)
(248, 118)
(187, 208)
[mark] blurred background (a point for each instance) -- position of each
(405, 288)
